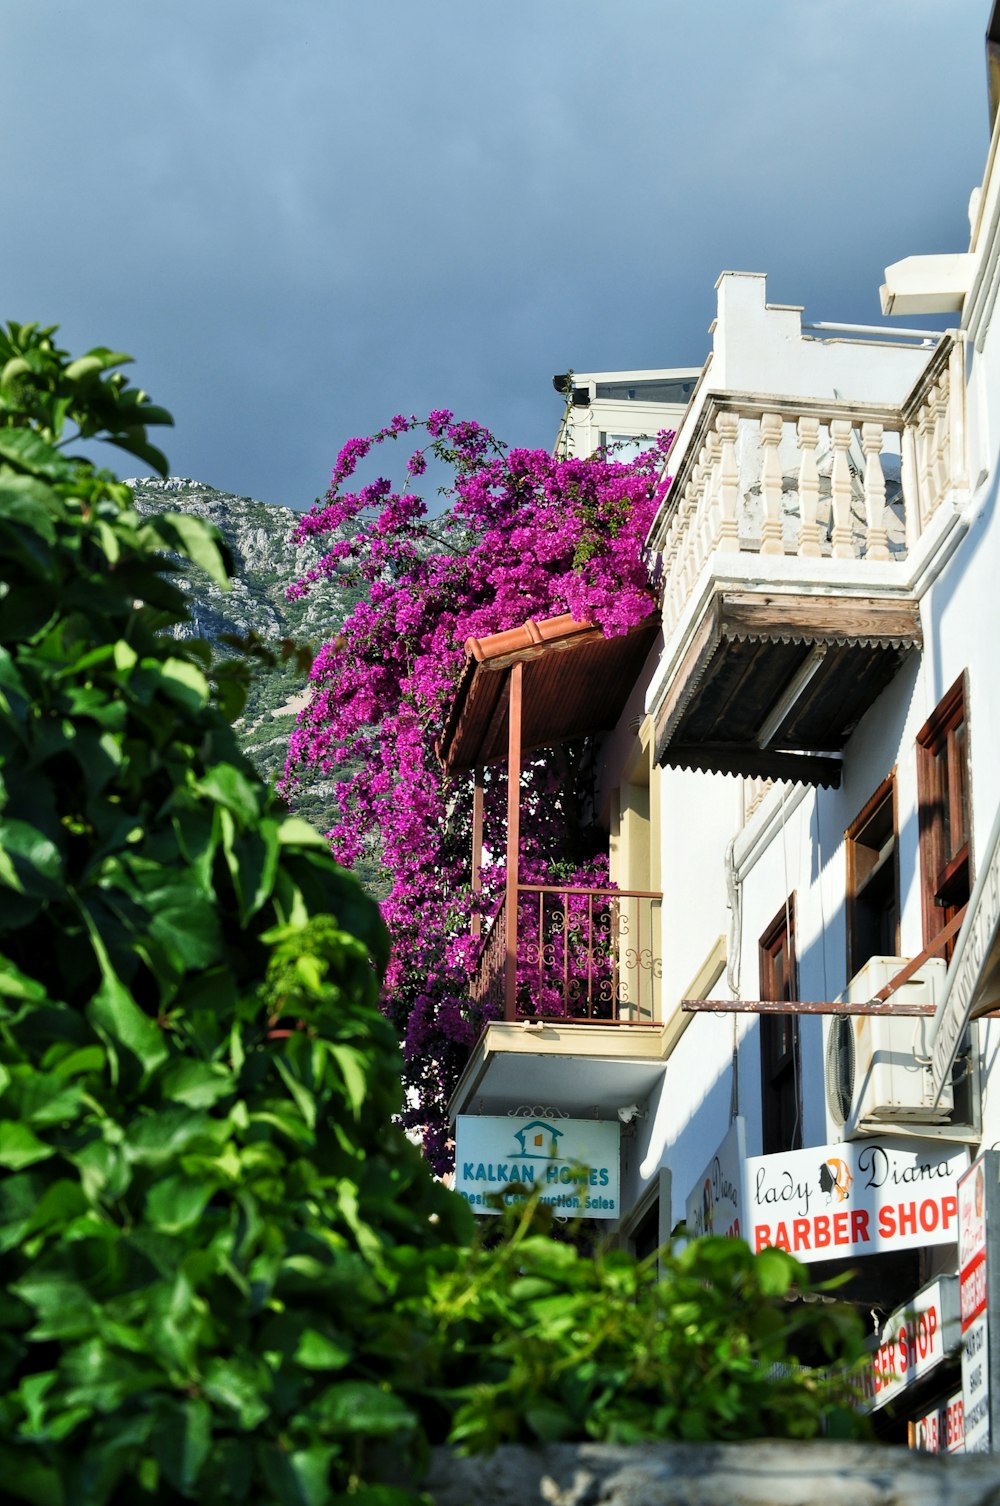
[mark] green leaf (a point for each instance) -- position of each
(198, 1084)
(183, 682)
(199, 541)
(318, 1351)
(231, 788)
(178, 1202)
(300, 1478)
(26, 1478)
(361, 1407)
(28, 451)
(182, 1442)
(352, 1065)
(113, 1012)
(19, 1147)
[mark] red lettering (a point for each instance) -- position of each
(859, 1226)
(907, 1218)
(929, 1213)
(887, 1221)
(904, 1352)
(761, 1238)
(781, 1238)
(923, 1336)
(840, 1236)
(949, 1211)
(821, 1231)
(932, 1323)
(800, 1233)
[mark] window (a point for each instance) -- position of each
(779, 1037)
(873, 881)
(665, 390)
(943, 793)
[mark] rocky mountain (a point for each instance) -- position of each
(259, 535)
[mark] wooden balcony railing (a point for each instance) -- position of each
(582, 955)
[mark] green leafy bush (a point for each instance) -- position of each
(204, 1205)
(544, 1343)
(225, 1275)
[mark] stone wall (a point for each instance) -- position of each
(767, 1473)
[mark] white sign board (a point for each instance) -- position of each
(973, 1297)
(715, 1203)
(861, 1197)
(575, 1163)
(912, 1342)
(941, 1431)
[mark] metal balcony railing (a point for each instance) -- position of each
(582, 955)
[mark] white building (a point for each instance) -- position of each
(803, 764)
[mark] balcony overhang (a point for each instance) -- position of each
(576, 1068)
(575, 682)
(772, 684)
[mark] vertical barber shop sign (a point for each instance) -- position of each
(979, 1300)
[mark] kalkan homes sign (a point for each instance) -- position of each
(864, 1197)
(575, 1163)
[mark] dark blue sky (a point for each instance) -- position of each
(303, 217)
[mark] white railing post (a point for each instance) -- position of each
(840, 489)
(771, 541)
(878, 539)
(729, 481)
(807, 438)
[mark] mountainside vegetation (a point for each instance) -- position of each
(253, 611)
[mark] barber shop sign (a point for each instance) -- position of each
(866, 1197)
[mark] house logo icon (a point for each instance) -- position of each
(537, 1140)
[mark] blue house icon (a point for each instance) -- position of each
(538, 1139)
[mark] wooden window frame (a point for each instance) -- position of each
(857, 879)
(777, 1071)
(946, 877)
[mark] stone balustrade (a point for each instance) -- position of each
(811, 479)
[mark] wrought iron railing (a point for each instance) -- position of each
(582, 954)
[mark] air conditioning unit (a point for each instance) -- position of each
(877, 1078)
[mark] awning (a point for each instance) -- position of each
(576, 682)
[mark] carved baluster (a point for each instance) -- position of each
(840, 489)
(701, 542)
(925, 460)
(692, 499)
(807, 432)
(677, 597)
(878, 539)
(770, 484)
(939, 459)
(713, 510)
(729, 481)
(912, 516)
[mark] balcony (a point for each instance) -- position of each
(583, 956)
(795, 541)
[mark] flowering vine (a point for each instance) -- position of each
(525, 534)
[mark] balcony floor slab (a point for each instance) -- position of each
(576, 1068)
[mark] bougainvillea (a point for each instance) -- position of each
(524, 534)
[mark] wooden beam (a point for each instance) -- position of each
(477, 849)
(799, 1006)
(748, 759)
(819, 619)
(513, 834)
